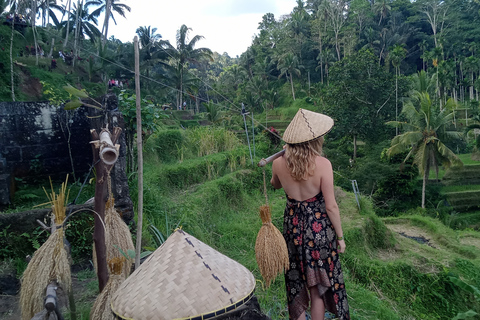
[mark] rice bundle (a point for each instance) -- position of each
(49, 263)
(101, 309)
(270, 248)
(117, 237)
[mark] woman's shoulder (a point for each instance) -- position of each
(323, 161)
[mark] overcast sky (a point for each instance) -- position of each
(227, 25)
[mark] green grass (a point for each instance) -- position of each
(467, 159)
(460, 188)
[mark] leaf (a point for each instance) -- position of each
(465, 315)
(74, 104)
(75, 92)
(145, 254)
(131, 253)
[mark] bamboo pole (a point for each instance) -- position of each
(99, 218)
(140, 156)
(264, 162)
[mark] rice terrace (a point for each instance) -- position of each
(135, 176)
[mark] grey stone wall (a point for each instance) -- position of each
(34, 144)
(34, 140)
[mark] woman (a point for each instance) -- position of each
(312, 227)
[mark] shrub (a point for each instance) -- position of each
(377, 235)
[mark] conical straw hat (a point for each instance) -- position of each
(307, 125)
(183, 279)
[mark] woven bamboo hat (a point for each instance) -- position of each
(307, 125)
(183, 279)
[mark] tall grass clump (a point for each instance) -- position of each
(209, 139)
(377, 235)
(166, 145)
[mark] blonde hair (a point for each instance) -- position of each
(300, 158)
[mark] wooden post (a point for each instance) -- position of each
(105, 153)
(140, 157)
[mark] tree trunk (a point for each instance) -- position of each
(108, 6)
(99, 218)
(77, 32)
(11, 59)
(34, 30)
(50, 55)
(396, 98)
(291, 83)
(425, 175)
(68, 23)
(354, 147)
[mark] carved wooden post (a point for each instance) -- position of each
(105, 154)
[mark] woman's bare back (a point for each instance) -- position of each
(303, 189)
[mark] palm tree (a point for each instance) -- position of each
(86, 24)
(183, 54)
(148, 38)
(422, 82)
(288, 65)
(382, 8)
(424, 126)
(110, 6)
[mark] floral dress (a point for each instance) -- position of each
(314, 260)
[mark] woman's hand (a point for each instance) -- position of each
(341, 246)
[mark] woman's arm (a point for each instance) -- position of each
(275, 181)
(330, 202)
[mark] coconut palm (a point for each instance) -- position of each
(289, 66)
(422, 82)
(382, 8)
(424, 127)
(183, 54)
(477, 139)
(81, 21)
(148, 38)
(110, 6)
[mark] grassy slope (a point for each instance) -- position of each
(388, 276)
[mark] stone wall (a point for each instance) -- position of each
(35, 144)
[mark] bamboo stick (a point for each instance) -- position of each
(264, 162)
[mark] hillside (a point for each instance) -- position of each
(406, 267)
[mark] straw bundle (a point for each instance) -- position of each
(270, 248)
(49, 263)
(101, 309)
(117, 236)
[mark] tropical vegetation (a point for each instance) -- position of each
(401, 80)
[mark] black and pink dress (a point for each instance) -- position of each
(314, 260)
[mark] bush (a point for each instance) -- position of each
(377, 235)
(167, 145)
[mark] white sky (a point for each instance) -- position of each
(227, 25)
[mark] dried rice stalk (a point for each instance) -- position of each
(117, 235)
(49, 263)
(270, 248)
(101, 309)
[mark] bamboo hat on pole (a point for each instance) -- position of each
(307, 125)
(183, 279)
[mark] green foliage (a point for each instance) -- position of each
(377, 235)
(167, 145)
(79, 233)
(358, 97)
(14, 245)
(198, 170)
(208, 140)
(150, 113)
